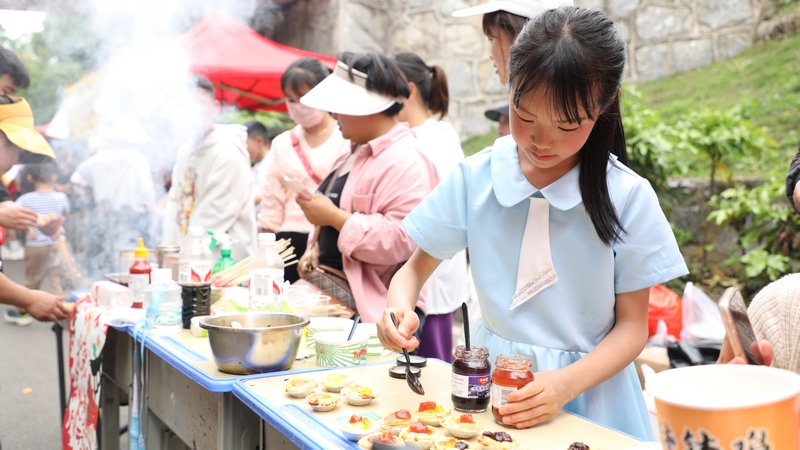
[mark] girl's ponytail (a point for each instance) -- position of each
(431, 82)
(439, 99)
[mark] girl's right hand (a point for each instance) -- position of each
(396, 339)
(308, 262)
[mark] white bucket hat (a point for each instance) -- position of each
(524, 8)
(343, 93)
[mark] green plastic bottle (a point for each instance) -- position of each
(224, 262)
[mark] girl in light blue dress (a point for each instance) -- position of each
(564, 241)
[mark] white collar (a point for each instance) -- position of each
(511, 187)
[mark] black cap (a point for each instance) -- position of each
(495, 113)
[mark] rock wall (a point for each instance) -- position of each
(669, 36)
(664, 37)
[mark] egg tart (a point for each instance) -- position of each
(420, 436)
(497, 440)
(322, 402)
(356, 427)
(299, 387)
(336, 381)
(358, 395)
(430, 413)
(396, 421)
(463, 426)
(450, 443)
(383, 437)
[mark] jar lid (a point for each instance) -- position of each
(400, 371)
(416, 361)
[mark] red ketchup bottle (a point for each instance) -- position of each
(140, 274)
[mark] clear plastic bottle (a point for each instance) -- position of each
(112, 294)
(194, 276)
(168, 318)
(195, 260)
(266, 276)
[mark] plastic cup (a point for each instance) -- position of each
(333, 349)
(319, 324)
(731, 406)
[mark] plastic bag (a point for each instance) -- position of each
(665, 306)
(701, 318)
(661, 338)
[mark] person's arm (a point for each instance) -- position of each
(41, 305)
(16, 217)
(402, 298)
(792, 190)
(543, 398)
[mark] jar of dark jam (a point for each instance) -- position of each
(511, 372)
(472, 380)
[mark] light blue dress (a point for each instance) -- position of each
(483, 205)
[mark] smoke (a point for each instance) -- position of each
(141, 101)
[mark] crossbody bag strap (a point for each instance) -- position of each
(303, 159)
(328, 188)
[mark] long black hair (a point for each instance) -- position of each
(578, 57)
(383, 77)
(303, 73)
(431, 82)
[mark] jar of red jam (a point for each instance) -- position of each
(511, 373)
(472, 379)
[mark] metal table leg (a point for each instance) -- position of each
(62, 390)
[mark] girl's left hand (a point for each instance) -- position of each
(320, 210)
(537, 402)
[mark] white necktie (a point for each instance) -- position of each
(535, 272)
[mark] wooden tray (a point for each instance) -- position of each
(394, 394)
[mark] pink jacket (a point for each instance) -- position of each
(279, 211)
(389, 178)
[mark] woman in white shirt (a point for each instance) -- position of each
(307, 152)
(424, 111)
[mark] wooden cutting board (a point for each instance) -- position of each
(394, 394)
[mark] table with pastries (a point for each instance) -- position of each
(188, 402)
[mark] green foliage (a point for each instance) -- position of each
(60, 54)
(650, 142)
(276, 122)
(763, 221)
(765, 73)
(477, 143)
(723, 138)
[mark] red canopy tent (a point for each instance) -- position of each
(245, 66)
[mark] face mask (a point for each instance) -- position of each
(304, 116)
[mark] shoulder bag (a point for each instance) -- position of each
(332, 281)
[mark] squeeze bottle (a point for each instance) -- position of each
(140, 274)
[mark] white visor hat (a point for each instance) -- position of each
(524, 8)
(343, 93)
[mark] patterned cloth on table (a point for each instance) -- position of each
(87, 337)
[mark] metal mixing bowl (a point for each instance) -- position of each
(267, 342)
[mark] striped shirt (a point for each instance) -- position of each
(43, 203)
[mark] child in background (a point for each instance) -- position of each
(565, 242)
(41, 255)
(425, 111)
